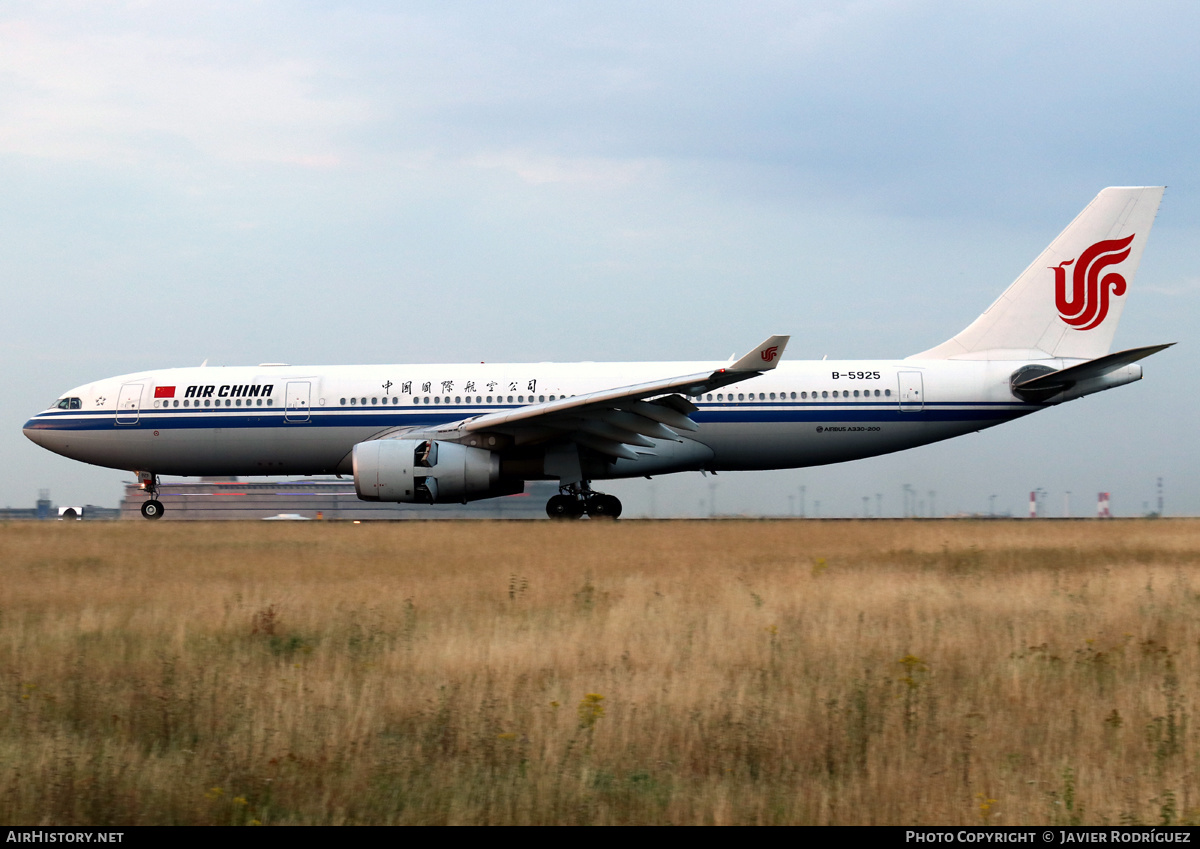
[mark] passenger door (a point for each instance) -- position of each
(297, 399)
(912, 392)
(129, 404)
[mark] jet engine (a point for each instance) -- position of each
(426, 471)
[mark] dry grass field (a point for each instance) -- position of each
(902, 672)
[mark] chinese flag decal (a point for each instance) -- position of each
(164, 392)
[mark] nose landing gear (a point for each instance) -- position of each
(576, 500)
(151, 509)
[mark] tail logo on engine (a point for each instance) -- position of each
(1084, 305)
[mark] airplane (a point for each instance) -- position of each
(425, 434)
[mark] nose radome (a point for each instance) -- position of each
(35, 433)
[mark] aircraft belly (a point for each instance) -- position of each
(287, 449)
(751, 446)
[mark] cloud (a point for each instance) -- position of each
(586, 171)
(140, 97)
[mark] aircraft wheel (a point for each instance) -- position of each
(605, 505)
(562, 507)
(152, 509)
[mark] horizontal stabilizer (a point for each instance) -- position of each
(1068, 377)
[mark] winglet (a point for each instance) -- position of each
(765, 356)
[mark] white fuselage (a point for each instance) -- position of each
(430, 433)
(269, 420)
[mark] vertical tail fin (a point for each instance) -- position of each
(1069, 301)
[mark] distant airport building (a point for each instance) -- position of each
(317, 498)
(46, 510)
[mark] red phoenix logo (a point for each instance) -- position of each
(1085, 306)
(769, 354)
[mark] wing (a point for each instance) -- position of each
(615, 422)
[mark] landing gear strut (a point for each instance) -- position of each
(577, 499)
(151, 509)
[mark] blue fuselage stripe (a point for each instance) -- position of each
(426, 417)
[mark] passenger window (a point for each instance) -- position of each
(510, 399)
(720, 397)
(803, 394)
(541, 399)
(364, 402)
(437, 399)
(258, 403)
(825, 394)
(855, 393)
(374, 400)
(426, 399)
(395, 400)
(343, 402)
(457, 400)
(793, 396)
(353, 401)
(269, 402)
(887, 393)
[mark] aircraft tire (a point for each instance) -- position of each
(152, 509)
(605, 506)
(562, 507)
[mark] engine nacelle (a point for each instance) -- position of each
(425, 471)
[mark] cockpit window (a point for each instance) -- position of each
(67, 404)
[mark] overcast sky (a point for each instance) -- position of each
(315, 182)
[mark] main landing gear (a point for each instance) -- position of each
(577, 499)
(151, 509)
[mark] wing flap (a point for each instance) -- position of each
(666, 415)
(604, 430)
(639, 424)
(604, 446)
